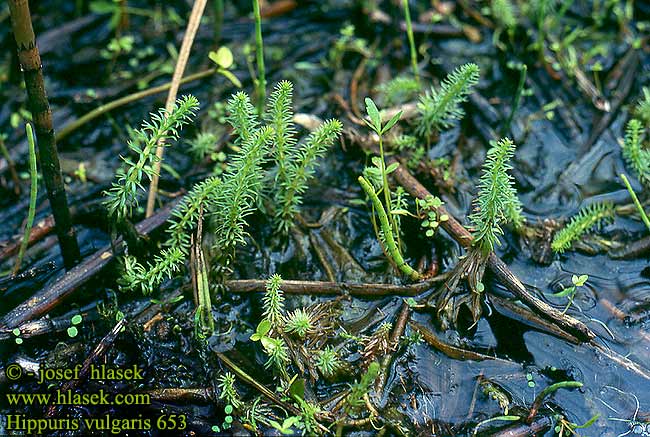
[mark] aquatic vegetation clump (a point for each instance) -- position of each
(589, 218)
(636, 157)
(164, 126)
(496, 203)
(229, 200)
(440, 108)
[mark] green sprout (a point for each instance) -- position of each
(440, 108)
(273, 301)
(328, 361)
(589, 218)
(298, 322)
(496, 203)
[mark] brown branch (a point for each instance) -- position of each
(324, 288)
(39, 106)
(51, 296)
(453, 352)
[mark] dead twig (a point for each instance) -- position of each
(51, 296)
(325, 288)
(181, 62)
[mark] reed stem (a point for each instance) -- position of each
(259, 51)
(30, 63)
(409, 32)
(33, 192)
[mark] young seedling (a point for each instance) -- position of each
(570, 292)
(589, 218)
(376, 125)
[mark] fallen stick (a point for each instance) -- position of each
(334, 288)
(453, 352)
(99, 351)
(52, 295)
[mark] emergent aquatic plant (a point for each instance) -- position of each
(229, 200)
(496, 203)
(122, 197)
(636, 157)
(440, 107)
(589, 218)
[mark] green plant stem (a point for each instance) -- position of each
(103, 109)
(31, 66)
(517, 101)
(33, 192)
(259, 51)
(537, 403)
(409, 33)
(387, 195)
(393, 250)
(218, 19)
(635, 199)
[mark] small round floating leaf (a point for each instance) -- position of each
(228, 419)
(16, 332)
(222, 57)
(76, 319)
(19, 340)
(72, 331)
(228, 409)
